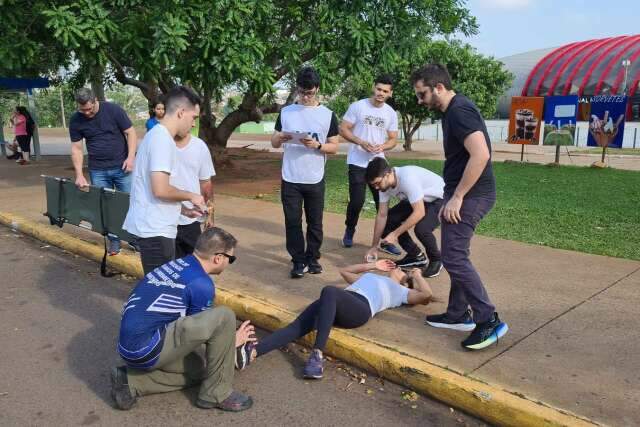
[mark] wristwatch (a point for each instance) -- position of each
(319, 148)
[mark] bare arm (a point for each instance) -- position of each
(421, 292)
(132, 145)
(206, 189)
(476, 146)
(392, 141)
(351, 273)
(413, 219)
(381, 221)
(77, 158)
(164, 191)
(346, 131)
(279, 138)
(331, 146)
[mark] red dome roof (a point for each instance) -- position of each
(591, 67)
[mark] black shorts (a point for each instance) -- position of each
(24, 141)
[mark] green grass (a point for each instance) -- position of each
(588, 210)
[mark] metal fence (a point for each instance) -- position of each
(499, 129)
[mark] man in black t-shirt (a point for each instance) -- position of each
(469, 194)
(111, 144)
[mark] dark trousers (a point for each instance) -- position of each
(294, 197)
(466, 286)
(335, 306)
(156, 251)
(423, 229)
(357, 192)
(186, 238)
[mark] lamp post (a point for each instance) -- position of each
(626, 64)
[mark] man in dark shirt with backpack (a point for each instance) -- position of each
(469, 194)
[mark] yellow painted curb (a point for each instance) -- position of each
(485, 401)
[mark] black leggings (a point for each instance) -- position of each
(335, 306)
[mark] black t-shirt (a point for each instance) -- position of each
(461, 119)
(103, 133)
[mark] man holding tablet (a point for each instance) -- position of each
(308, 132)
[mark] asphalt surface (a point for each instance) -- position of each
(57, 342)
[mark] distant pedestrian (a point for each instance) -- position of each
(303, 164)
(23, 128)
(111, 143)
(155, 205)
(157, 113)
(469, 195)
(371, 126)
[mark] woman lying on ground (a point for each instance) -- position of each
(346, 308)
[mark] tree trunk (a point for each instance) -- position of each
(97, 85)
(409, 128)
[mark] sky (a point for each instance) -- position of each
(508, 27)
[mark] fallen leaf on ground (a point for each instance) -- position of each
(409, 395)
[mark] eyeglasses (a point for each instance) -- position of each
(420, 95)
(307, 93)
(231, 258)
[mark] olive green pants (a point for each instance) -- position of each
(181, 366)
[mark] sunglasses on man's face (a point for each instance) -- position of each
(231, 258)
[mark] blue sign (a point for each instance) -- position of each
(560, 117)
(606, 124)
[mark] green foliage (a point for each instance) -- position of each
(247, 45)
(479, 77)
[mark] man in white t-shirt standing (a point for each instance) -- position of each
(194, 171)
(308, 132)
(155, 205)
(419, 192)
(371, 126)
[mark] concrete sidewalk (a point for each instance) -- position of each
(572, 341)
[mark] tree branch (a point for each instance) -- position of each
(122, 77)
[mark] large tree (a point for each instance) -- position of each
(242, 45)
(481, 78)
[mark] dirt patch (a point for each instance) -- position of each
(247, 172)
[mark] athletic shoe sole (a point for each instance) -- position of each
(466, 327)
(312, 377)
(435, 274)
(413, 264)
(389, 252)
(500, 331)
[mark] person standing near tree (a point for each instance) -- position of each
(156, 115)
(469, 195)
(23, 126)
(111, 144)
(303, 169)
(371, 126)
(155, 205)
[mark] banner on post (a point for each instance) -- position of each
(606, 122)
(524, 120)
(560, 117)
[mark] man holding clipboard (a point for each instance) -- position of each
(307, 131)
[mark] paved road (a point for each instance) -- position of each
(59, 323)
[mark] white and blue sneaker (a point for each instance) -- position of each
(465, 323)
(390, 249)
(486, 333)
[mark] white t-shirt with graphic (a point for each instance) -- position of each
(194, 164)
(414, 183)
(302, 165)
(370, 124)
(149, 216)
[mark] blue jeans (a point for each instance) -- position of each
(116, 179)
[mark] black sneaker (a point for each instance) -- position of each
(465, 323)
(314, 267)
(243, 355)
(298, 270)
(433, 269)
(485, 334)
(120, 391)
(236, 402)
(413, 261)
